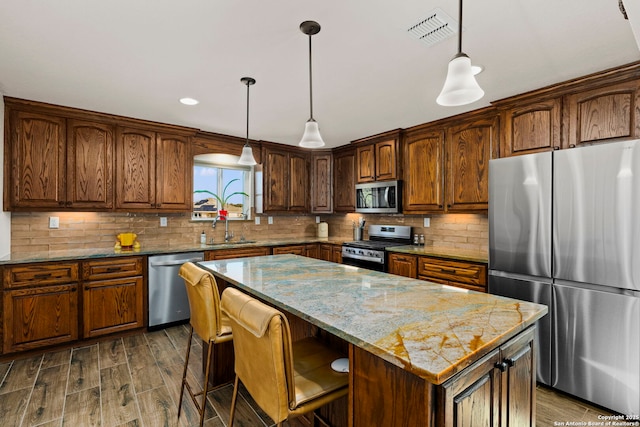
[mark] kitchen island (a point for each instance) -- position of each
(419, 353)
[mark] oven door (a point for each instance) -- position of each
(371, 263)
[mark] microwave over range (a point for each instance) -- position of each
(379, 197)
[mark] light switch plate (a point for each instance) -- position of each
(54, 222)
(270, 220)
(427, 222)
(163, 221)
(317, 220)
(257, 220)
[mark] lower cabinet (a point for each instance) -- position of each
(236, 253)
(113, 296)
(497, 390)
(290, 249)
(40, 305)
(403, 265)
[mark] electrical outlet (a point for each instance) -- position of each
(317, 220)
(427, 222)
(270, 220)
(163, 221)
(54, 222)
(257, 220)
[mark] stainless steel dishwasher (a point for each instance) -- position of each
(168, 302)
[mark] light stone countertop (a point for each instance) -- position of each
(430, 330)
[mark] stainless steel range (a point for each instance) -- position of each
(370, 253)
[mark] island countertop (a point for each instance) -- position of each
(428, 329)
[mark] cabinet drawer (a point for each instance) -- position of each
(294, 249)
(112, 268)
(40, 274)
(455, 271)
(236, 253)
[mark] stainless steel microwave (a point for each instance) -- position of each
(379, 197)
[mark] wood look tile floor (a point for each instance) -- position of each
(135, 381)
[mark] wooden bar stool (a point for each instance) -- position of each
(285, 379)
(207, 321)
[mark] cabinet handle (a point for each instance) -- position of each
(513, 359)
(113, 269)
(42, 276)
(502, 366)
(60, 203)
(448, 270)
(67, 204)
(440, 206)
(572, 145)
(556, 147)
(448, 205)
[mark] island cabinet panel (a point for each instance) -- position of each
(37, 160)
(344, 193)
(606, 113)
(423, 164)
(531, 127)
(113, 296)
(403, 265)
(497, 390)
(470, 146)
(40, 305)
(236, 253)
(464, 274)
(321, 182)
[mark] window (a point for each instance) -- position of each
(225, 182)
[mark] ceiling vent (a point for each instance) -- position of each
(438, 26)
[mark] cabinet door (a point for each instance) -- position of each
(112, 305)
(321, 180)
(336, 254)
(41, 316)
(89, 165)
(469, 148)
(611, 112)
(173, 172)
(312, 250)
(292, 249)
(325, 252)
(298, 182)
(473, 399)
(386, 160)
(531, 128)
(37, 160)
(424, 179)
(518, 381)
(135, 173)
(403, 265)
(457, 273)
(276, 180)
(365, 163)
(344, 193)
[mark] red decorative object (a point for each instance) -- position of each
(223, 214)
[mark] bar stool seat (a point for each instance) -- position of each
(207, 321)
(285, 379)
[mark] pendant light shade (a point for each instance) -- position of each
(247, 153)
(460, 87)
(311, 137)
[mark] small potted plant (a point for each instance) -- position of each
(222, 200)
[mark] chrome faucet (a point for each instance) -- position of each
(227, 236)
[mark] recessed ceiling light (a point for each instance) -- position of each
(189, 101)
(477, 69)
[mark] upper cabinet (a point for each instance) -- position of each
(378, 157)
(321, 181)
(344, 192)
(286, 179)
(424, 170)
(153, 170)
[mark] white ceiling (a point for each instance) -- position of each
(136, 58)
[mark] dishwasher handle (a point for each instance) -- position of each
(176, 262)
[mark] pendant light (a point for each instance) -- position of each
(311, 137)
(247, 153)
(460, 87)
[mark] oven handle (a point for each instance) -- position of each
(362, 257)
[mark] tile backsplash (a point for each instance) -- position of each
(30, 232)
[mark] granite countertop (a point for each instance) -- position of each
(77, 254)
(443, 251)
(431, 330)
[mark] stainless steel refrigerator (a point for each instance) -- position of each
(564, 230)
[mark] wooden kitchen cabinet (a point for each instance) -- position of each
(113, 295)
(40, 305)
(344, 166)
(487, 393)
(236, 253)
(321, 182)
(464, 274)
(312, 250)
(378, 157)
(154, 170)
(325, 251)
(290, 249)
(469, 146)
(605, 113)
(336, 254)
(286, 179)
(403, 264)
(424, 171)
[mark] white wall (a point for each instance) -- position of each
(5, 217)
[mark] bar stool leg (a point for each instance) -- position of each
(233, 401)
(184, 372)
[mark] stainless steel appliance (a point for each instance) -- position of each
(379, 197)
(168, 302)
(370, 253)
(564, 231)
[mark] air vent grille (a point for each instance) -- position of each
(438, 26)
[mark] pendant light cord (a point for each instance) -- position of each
(460, 28)
(248, 84)
(310, 81)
